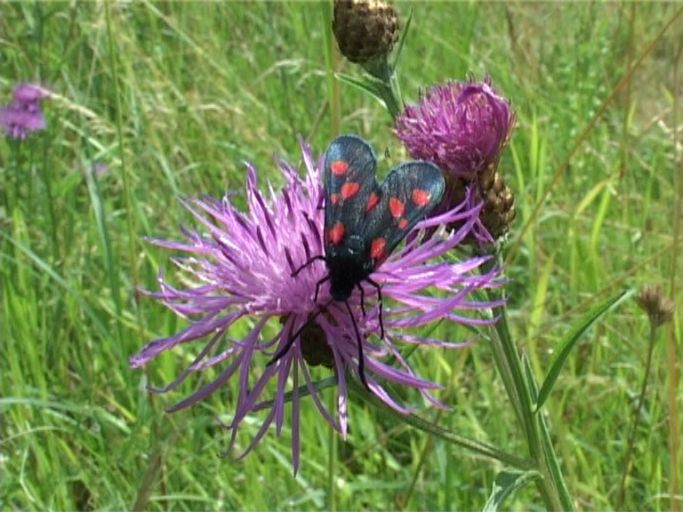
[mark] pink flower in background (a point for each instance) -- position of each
(19, 124)
(22, 116)
(99, 168)
(29, 95)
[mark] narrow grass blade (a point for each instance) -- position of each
(105, 242)
(41, 264)
(506, 483)
(401, 41)
(580, 327)
(149, 481)
(538, 311)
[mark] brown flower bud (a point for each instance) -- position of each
(364, 29)
(498, 211)
(658, 308)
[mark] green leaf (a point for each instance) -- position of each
(506, 483)
(368, 84)
(381, 90)
(577, 330)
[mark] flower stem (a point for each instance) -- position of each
(434, 429)
(332, 463)
(388, 89)
(636, 418)
(521, 388)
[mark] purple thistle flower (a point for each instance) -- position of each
(241, 269)
(23, 115)
(459, 126)
(19, 123)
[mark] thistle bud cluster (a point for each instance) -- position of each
(499, 202)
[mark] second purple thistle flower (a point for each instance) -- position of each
(460, 126)
(238, 275)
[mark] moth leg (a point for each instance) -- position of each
(361, 358)
(314, 258)
(379, 299)
(291, 341)
(317, 286)
(293, 338)
(362, 298)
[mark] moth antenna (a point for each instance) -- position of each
(314, 258)
(317, 286)
(361, 358)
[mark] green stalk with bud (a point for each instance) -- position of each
(367, 33)
(463, 127)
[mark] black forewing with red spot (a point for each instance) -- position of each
(408, 194)
(349, 181)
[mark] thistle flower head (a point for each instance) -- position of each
(239, 270)
(19, 124)
(364, 29)
(459, 126)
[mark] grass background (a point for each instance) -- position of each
(173, 96)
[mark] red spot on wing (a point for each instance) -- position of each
(336, 233)
(377, 248)
(339, 167)
(396, 207)
(334, 198)
(402, 223)
(349, 189)
(372, 202)
(420, 197)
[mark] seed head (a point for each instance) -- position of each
(499, 202)
(658, 308)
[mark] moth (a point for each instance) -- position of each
(365, 221)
